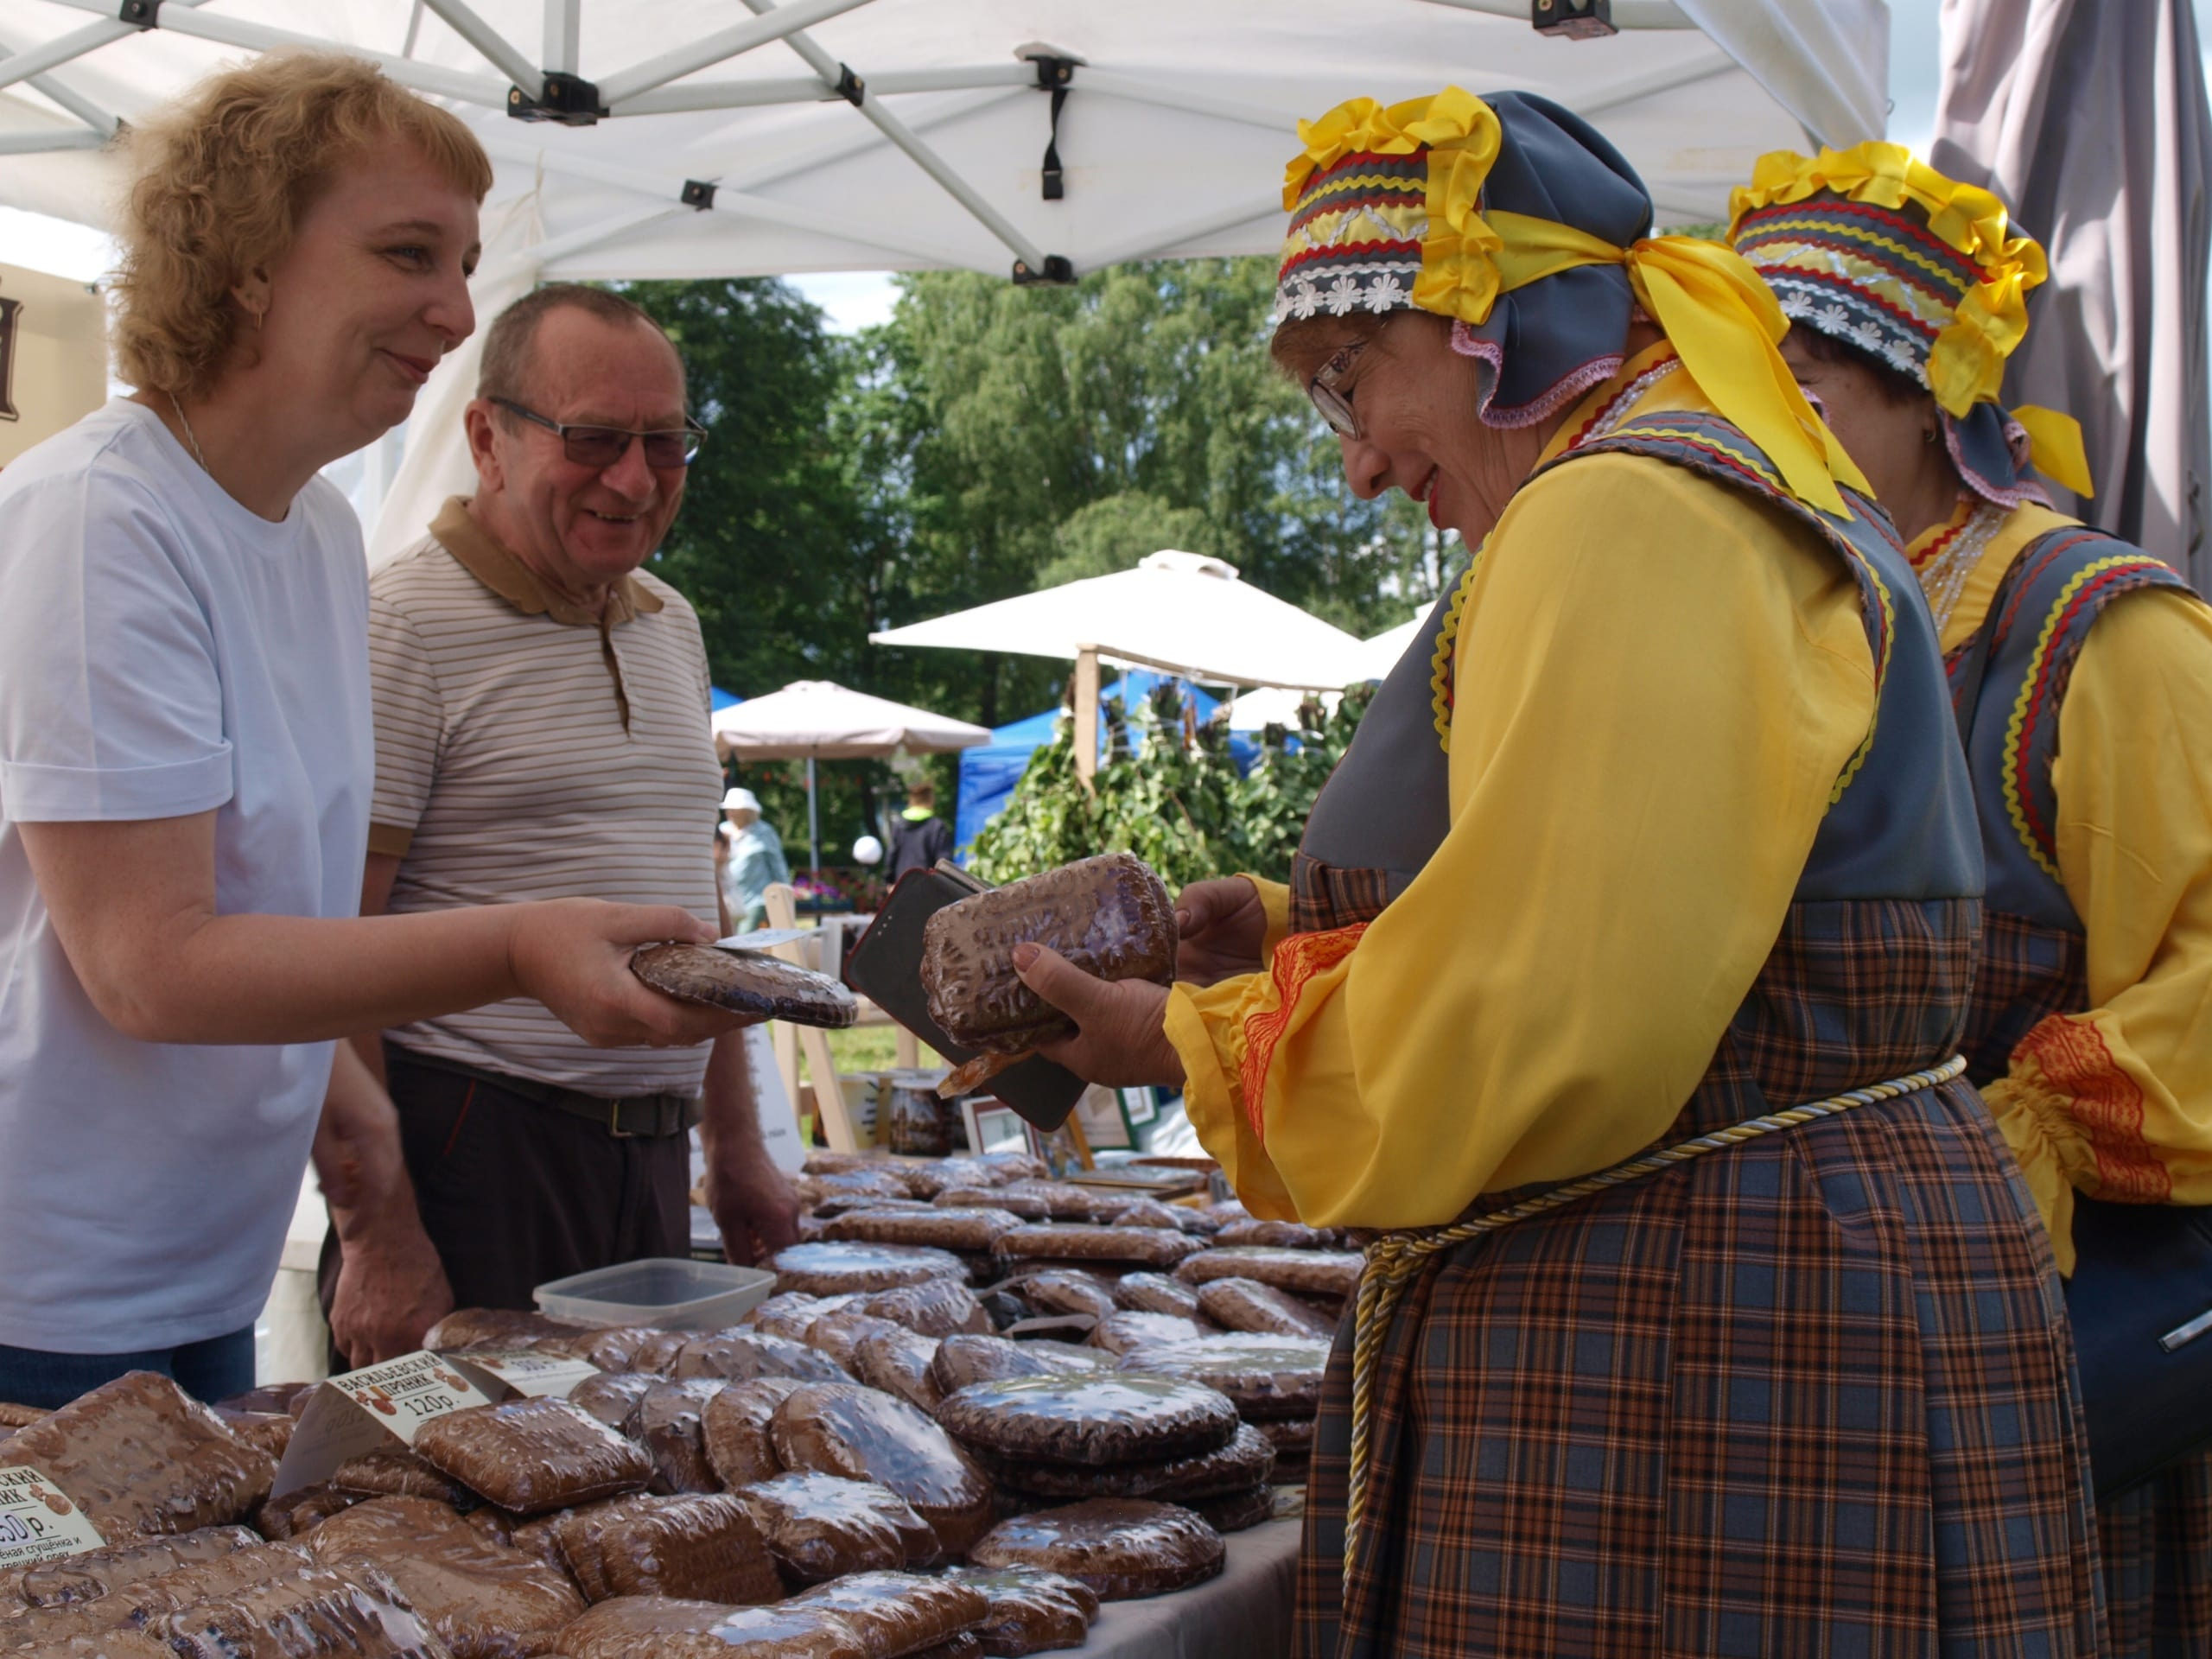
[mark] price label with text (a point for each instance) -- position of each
(38, 1522)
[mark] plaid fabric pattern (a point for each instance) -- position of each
(2027, 972)
(2157, 1542)
(1812, 1396)
(1324, 897)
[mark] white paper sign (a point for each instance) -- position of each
(371, 1410)
(778, 1123)
(506, 1372)
(38, 1522)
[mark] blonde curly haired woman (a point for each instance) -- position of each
(185, 734)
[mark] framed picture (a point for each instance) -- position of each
(1141, 1105)
(1105, 1119)
(993, 1127)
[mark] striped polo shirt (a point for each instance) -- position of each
(529, 749)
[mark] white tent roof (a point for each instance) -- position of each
(1179, 612)
(823, 720)
(729, 150)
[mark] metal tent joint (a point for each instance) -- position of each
(140, 14)
(1573, 20)
(571, 99)
(1058, 272)
(697, 193)
(850, 86)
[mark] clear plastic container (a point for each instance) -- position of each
(666, 1291)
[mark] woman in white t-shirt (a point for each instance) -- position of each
(185, 735)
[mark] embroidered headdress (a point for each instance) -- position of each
(1875, 249)
(1516, 220)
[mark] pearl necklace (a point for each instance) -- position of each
(1943, 578)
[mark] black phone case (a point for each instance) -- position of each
(885, 966)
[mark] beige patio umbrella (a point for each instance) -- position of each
(820, 719)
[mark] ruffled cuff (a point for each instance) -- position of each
(1212, 1099)
(2038, 1127)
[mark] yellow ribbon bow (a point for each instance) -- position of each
(2054, 446)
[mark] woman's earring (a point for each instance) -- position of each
(1928, 435)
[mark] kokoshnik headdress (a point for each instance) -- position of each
(1516, 220)
(1875, 249)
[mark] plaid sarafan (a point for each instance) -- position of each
(1812, 1396)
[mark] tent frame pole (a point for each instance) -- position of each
(36, 60)
(772, 24)
(809, 89)
(1086, 715)
(490, 45)
(835, 74)
(813, 824)
(560, 43)
(70, 100)
(259, 37)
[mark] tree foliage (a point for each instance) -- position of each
(1167, 790)
(987, 441)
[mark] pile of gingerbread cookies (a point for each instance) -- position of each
(980, 1402)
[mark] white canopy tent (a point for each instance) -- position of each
(820, 719)
(1037, 138)
(824, 135)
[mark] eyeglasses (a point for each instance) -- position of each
(1336, 406)
(600, 447)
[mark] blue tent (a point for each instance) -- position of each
(990, 772)
(719, 699)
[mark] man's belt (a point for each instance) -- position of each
(633, 1117)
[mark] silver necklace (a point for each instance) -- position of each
(1943, 578)
(190, 437)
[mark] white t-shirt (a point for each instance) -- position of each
(164, 651)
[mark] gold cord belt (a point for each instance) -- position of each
(1396, 1260)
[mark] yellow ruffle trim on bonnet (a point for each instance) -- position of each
(1966, 365)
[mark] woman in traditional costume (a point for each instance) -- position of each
(1620, 982)
(2087, 727)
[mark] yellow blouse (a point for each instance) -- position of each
(2134, 777)
(1658, 681)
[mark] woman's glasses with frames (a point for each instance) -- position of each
(600, 447)
(1336, 406)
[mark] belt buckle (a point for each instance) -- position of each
(615, 1128)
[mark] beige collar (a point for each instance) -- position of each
(480, 554)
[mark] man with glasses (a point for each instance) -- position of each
(541, 731)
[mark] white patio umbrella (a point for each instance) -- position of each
(1181, 612)
(820, 719)
(1378, 656)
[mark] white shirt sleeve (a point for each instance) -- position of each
(112, 704)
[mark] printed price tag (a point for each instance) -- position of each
(500, 1371)
(407, 1392)
(38, 1522)
(371, 1410)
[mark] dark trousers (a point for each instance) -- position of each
(513, 1193)
(209, 1370)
